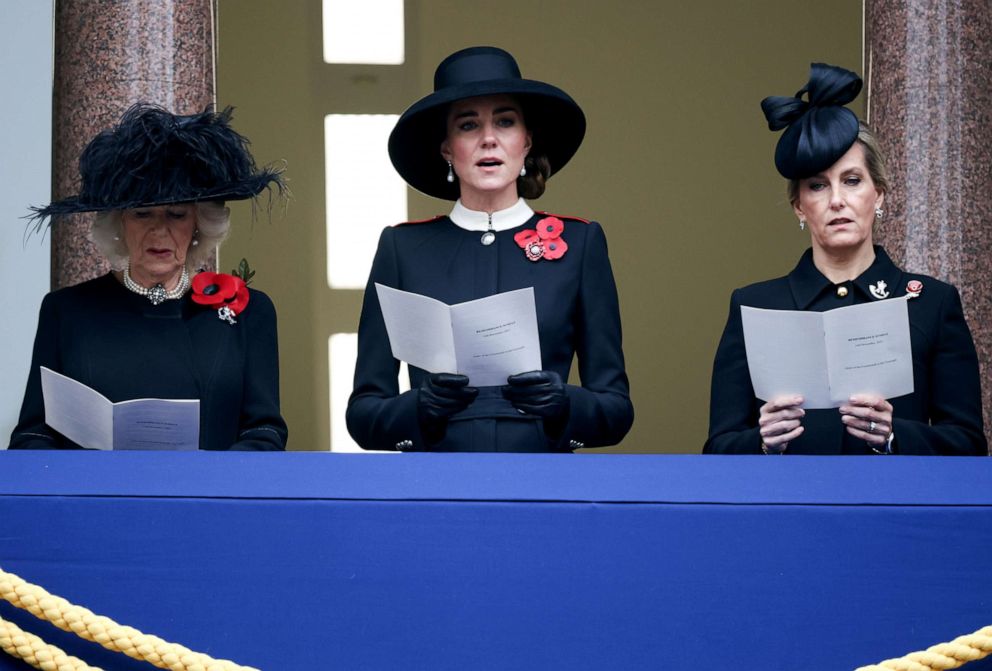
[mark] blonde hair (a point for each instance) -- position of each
(874, 161)
(213, 222)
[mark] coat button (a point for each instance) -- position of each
(841, 292)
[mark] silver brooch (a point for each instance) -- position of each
(879, 289)
(227, 314)
(156, 294)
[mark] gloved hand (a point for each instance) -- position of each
(440, 396)
(541, 393)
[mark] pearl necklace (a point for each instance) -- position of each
(157, 294)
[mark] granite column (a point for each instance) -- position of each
(929, 82)
(110, 54)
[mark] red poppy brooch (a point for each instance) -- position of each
(544, 242)
(227, 293)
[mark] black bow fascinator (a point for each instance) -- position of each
(415, 143)
(153, 157)
(819, 130)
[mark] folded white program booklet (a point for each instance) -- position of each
(828, 356)
(89, 419)
(487, 339)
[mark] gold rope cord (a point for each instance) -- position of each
(951, 655)
(175, 657)
(28, 647)
(105, 631)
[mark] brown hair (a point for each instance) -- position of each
(874, 161)
(532, 184)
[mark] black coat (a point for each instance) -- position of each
(942, 416)
(121, 345)
(577, 314)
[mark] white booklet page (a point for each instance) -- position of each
(828, 356)
(88, 418)
(487, 339)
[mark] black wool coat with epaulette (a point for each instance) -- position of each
(577, 314)
(943, 415)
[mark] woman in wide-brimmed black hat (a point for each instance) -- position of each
(153, 327)
(837, 188)
(488, 138)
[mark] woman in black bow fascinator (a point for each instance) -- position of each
(818, 130)
(837, 185)
(488, 139)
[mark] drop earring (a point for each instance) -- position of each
(802, 224)
(523, 171)
(451, 173)
(195, 241)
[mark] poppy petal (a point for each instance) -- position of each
(524, 237)
(240, 300)
(550, 227)
(554, 248)
(215, 289)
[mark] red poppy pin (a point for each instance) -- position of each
(227, 293)
(544, 242)
(914, 288)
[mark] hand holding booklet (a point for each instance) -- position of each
(487, 339)
(828, 356)
(89, 419)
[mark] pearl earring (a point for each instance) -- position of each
(195, 241)
(523, 171)
(451, 173)
(802, 224)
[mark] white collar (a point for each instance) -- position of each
(503, 220)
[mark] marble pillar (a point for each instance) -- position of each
(110, 54)
(928, 72)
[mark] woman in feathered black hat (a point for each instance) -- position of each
(487, 138)
(157, 182)
(837, 187)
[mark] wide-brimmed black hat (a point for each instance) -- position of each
(153, 157)
(556, 121)
(819, 130)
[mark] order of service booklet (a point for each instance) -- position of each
(89, 419)
(487, 339)
(828, 356)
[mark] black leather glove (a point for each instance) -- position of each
(541, 393)
(440, 396)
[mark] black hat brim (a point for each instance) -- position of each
(556, 121)
(242, 190)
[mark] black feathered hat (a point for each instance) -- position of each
(153, 157)
(819, 130)
(557, 122)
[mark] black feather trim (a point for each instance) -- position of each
(153, 157)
